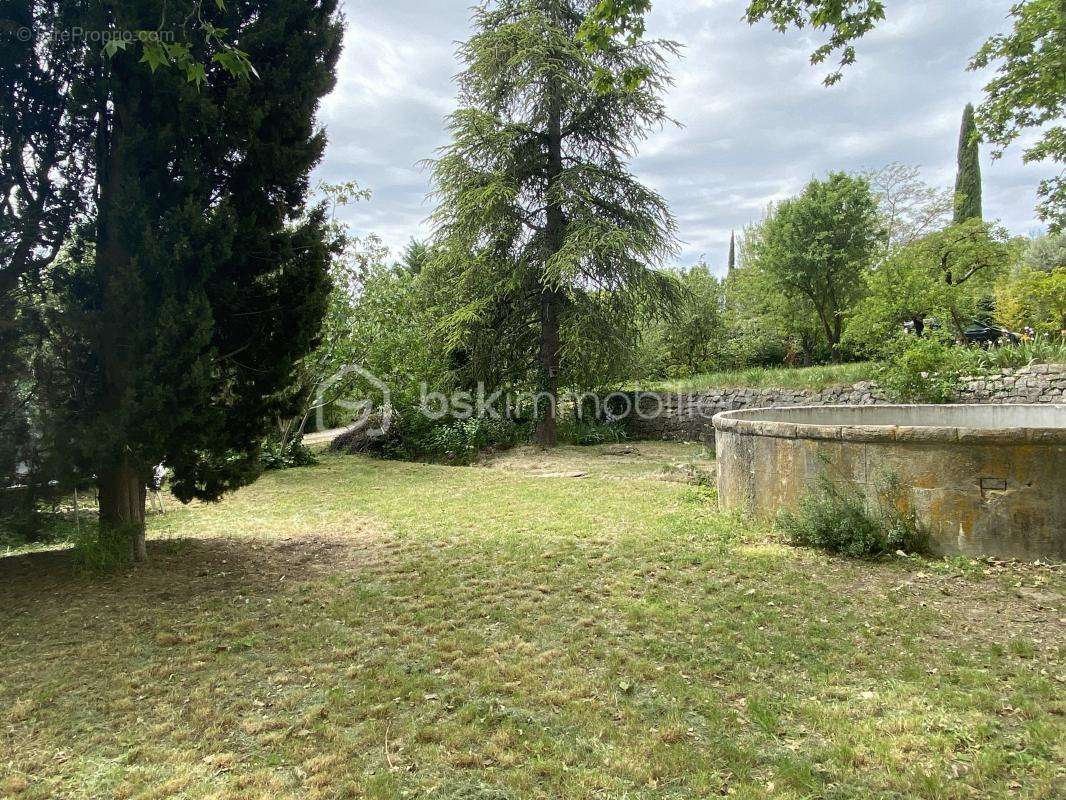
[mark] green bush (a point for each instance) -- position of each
(837, 517)
(920, 370)
(96, 553)
(412, 436)
(927, 369)
(586, 432)
(275, 455)
(462, 440)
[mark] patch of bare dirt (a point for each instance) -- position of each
(986, 601)
(188, 569)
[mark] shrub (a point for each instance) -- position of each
(1035, 299)
(275, 455)
(837, 517)
(462, 440)
(1046, 253)
(411, 435)
(96, 553)
(920, 369)
(585, 432)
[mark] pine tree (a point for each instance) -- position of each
(732, 251)
(186, 300)
(549, 242)
(968, 177)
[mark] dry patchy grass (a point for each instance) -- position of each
(384, 630)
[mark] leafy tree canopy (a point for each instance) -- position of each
(948, 275)
(817, 246)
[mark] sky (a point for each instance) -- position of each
(755, 122)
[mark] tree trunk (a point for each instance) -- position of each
(956, 323)
(551, 297)
(122, 496)
(120, 482)
(832, 331)
(549, 368)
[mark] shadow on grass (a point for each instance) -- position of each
(176, 569)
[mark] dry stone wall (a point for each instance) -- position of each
(687, 416)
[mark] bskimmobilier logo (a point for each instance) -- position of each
(375, 420)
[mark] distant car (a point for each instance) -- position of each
(984, 334)
(976, 332)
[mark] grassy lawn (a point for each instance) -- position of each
(820, 377)
(390, 630)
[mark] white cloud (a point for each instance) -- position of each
(758, 123)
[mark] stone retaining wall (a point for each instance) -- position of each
(687, 416)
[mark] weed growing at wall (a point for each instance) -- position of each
(839, 517)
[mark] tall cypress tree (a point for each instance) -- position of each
(547, 238)
(968, 177)
(732, 251)
(201, 278)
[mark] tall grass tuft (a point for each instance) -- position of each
(96, 553)
(819, 377)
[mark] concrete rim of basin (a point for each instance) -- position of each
(928, 423)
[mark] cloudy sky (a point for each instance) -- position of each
(756, 121)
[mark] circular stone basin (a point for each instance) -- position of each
(984, 480)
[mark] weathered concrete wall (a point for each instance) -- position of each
(983, 480)
(687, 416)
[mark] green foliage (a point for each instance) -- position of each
(968, 176)
(449, 440)
(966, 260)
(367, 299)
(1041, 350)
(541, 230)
(170, 44)
(949, 276)
(920, 369)
(1035, 299)
(286, 455)
(846, 20)
(416, 255)
(606, 23)
(691, 340)
(587, 432)
(815, 248)
(764, 326)
(462, 440)
(904, 288)
(1046, 253)
(838, 517)
(98, 550)
(192, 277)
(1029, 92)
(928, 369)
